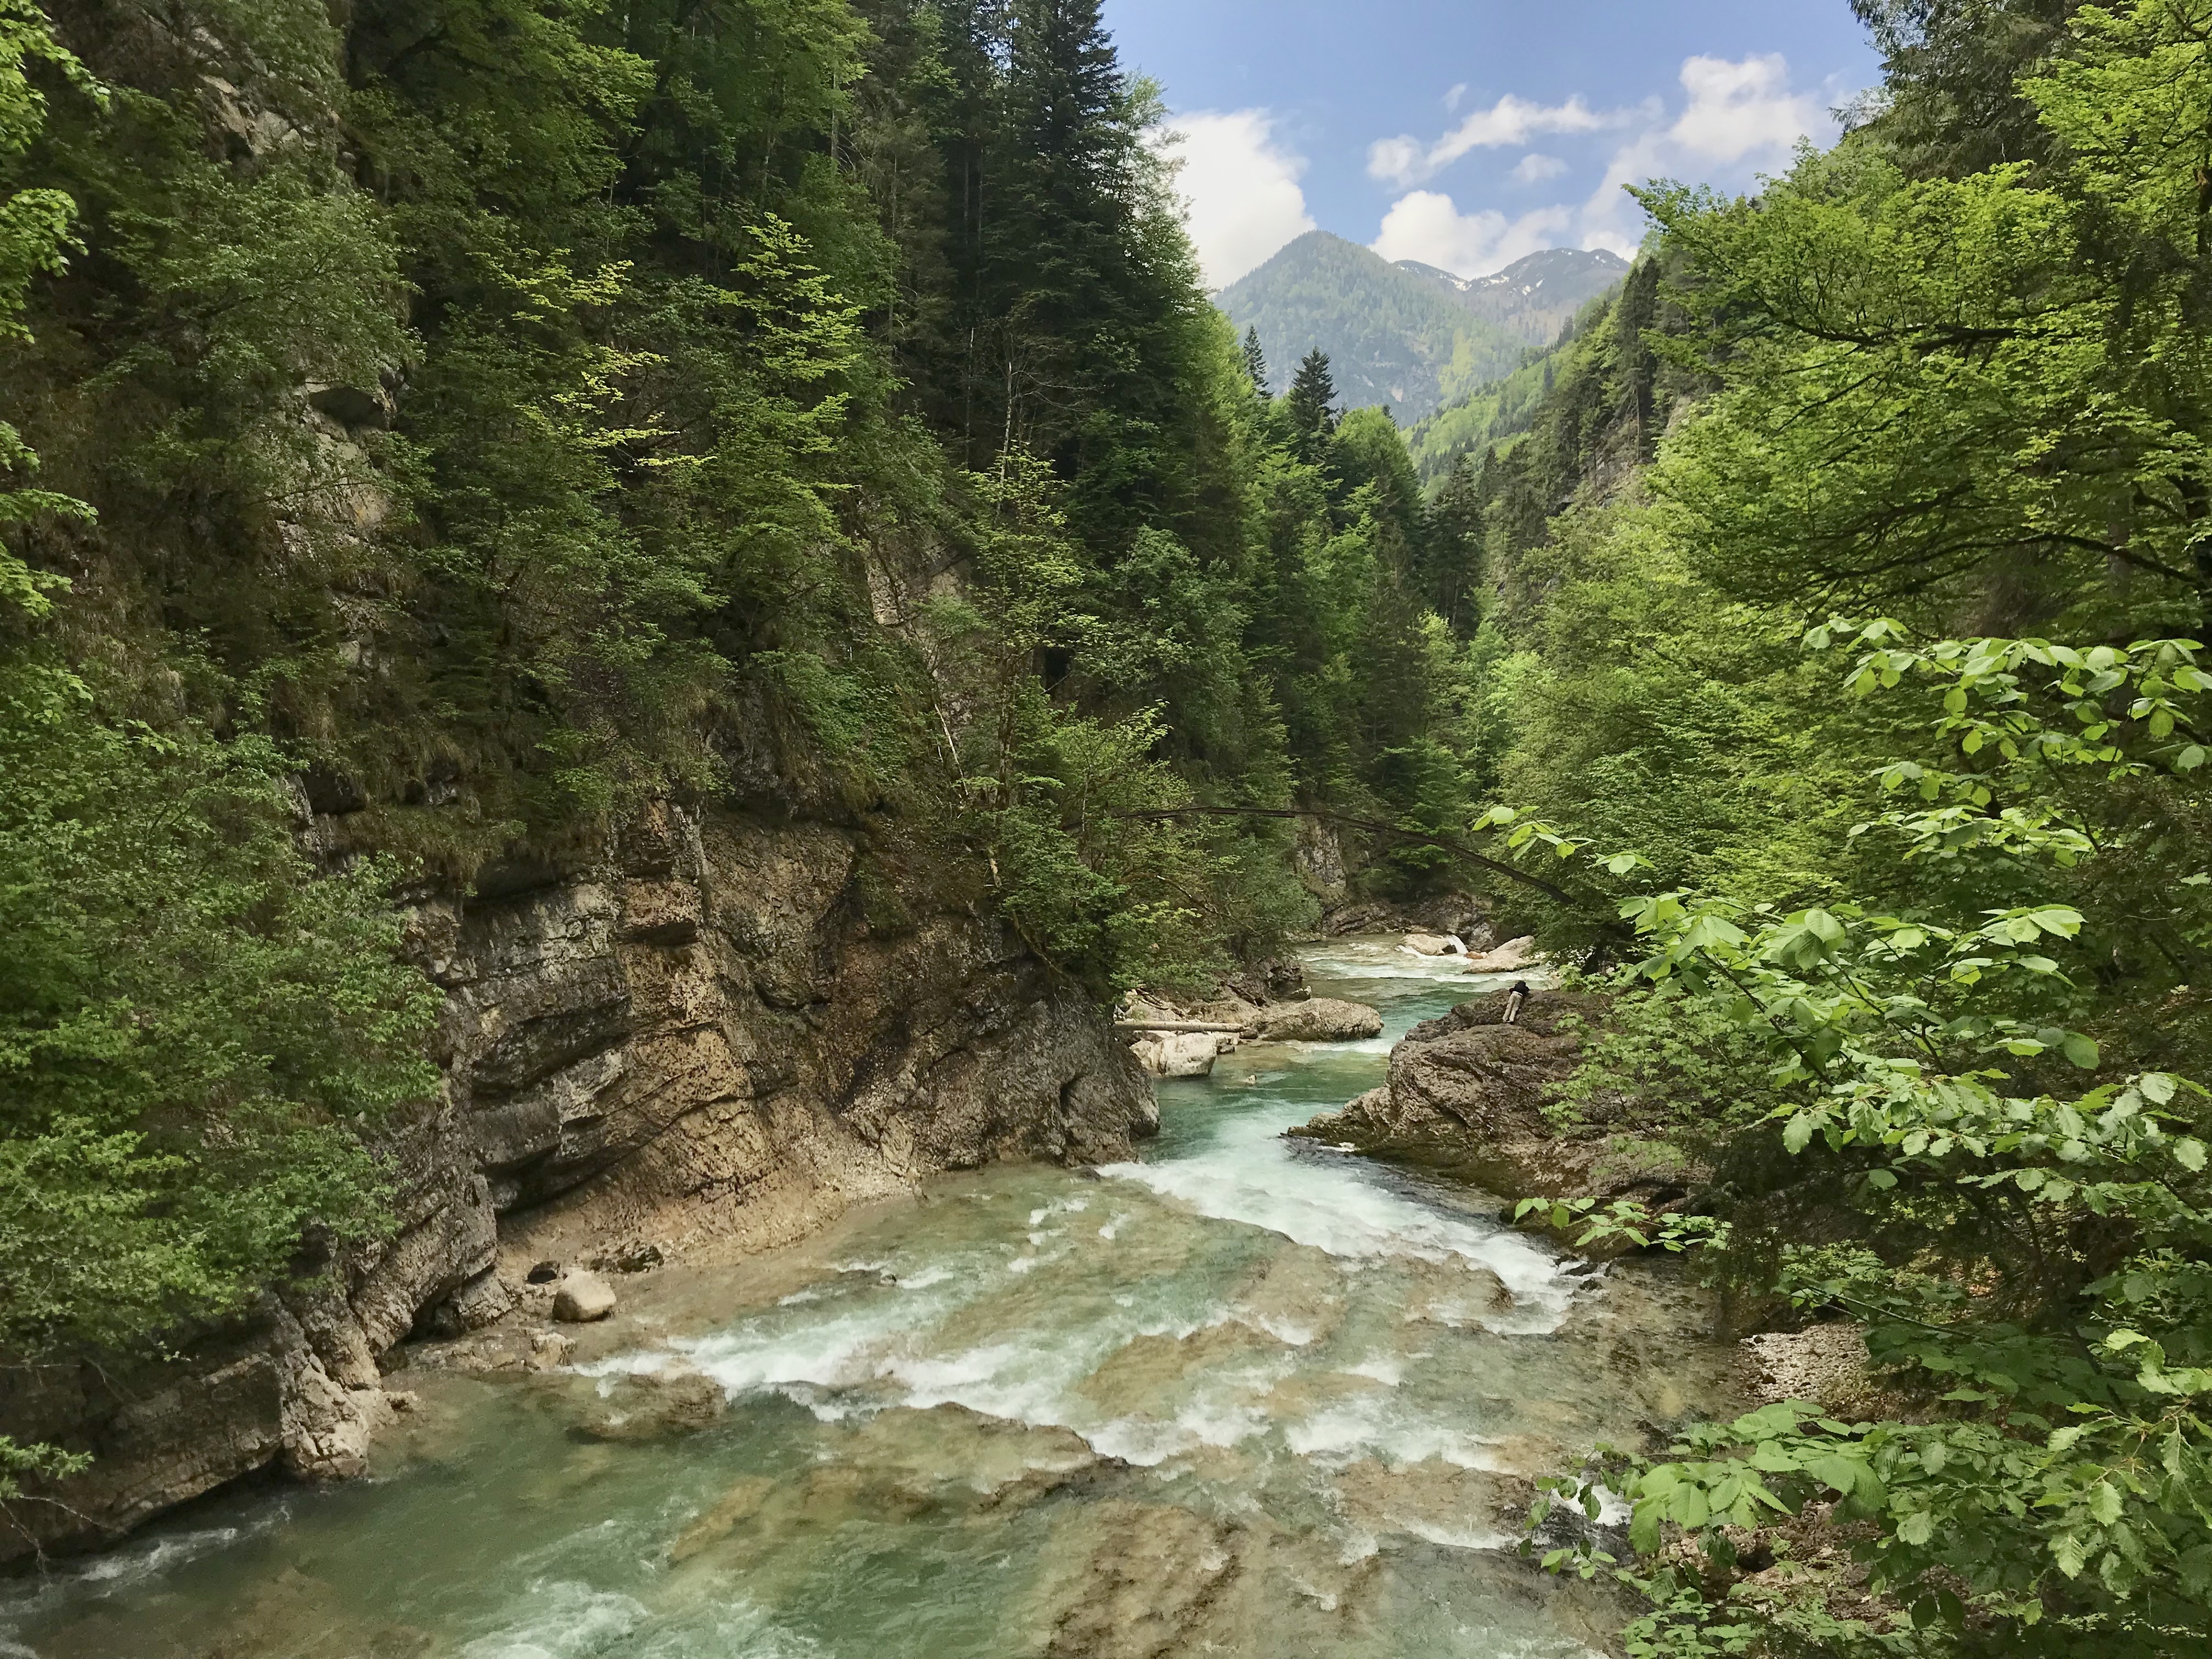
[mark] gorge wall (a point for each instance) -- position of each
(700, 1039)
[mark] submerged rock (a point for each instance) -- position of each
(656, 1405)
(739, 1504)
(900, 1464)
(1136, 1581)
(1457, 1294)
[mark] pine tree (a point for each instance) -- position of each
(1313, 405)
(1256, 361)
(1637, 309)
(1451, 549)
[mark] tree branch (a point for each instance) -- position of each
(1458, 848)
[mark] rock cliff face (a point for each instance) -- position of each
(701, 1040)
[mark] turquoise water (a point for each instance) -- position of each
(1247, 1397)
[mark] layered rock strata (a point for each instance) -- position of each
(709, 1038)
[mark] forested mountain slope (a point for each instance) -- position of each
(1409, 336)
(1537, 295)
(1493, 415)
(595, 601)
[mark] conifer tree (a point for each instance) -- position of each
(1639, 306)
(1077, 300)
(1313, 404)
(1451, 547)
(1256, 361)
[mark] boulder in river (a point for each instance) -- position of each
(1319, 1019)
(1467, 1095)
(1178, 1054)
(1510, 957)
(1435, 944)
(583, 1296)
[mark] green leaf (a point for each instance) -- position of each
(2082, 1052)
(1688, 1507)
(2071, 1554)
(1643, 1527)
(1836, 1471)
(1798, 1134)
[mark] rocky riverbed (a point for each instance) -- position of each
(1250, 1395)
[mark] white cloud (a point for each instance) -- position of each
(1738, 109)
(1452, 98)
(1738, 116)
(1395, 159)
(1429, 226)
(1535, 169)
(1241, 188)
(1405, 159)
(1741, 116)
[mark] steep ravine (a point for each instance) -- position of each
(698, 1037)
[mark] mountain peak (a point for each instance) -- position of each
(1407, 334)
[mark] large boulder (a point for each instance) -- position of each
(1435, 944)
(583, 1298)
(1178, 1054)
(1510, 957)
(1471, 1069)
(1467, 1096)
(1319, 1019)
(1467, 1082)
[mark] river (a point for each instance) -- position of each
(1246, 1397)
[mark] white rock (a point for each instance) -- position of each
(1508, 959)
(1435, 944)
(583, 1296)
(1178, 1054)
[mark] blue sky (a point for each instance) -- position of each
(1467, 133)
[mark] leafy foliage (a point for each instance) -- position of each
(472, 421)
(1915, 896)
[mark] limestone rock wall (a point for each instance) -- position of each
(702, 1041)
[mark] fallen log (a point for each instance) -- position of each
(1177, 1026)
